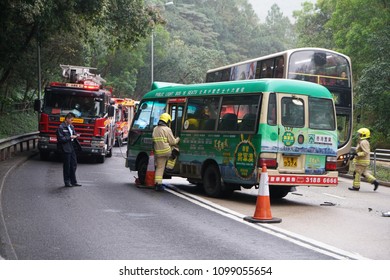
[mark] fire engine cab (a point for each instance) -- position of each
(83, 94)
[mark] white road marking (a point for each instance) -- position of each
(270, 229)
(332, 195)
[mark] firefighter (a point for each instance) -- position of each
(361, 158)
(163, 141)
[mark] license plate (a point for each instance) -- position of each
(290, 162)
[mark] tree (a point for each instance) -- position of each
(360, 30)
(312, 24)
(25, 23)
(279, 30)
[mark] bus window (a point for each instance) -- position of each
(148, 114)
(271, 116)
(238, 113)
(279, 67)
(267, 68)
(201, 113)
(292, 112)
(321, 114)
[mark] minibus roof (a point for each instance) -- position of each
(167, 90)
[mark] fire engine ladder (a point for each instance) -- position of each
(75, 74)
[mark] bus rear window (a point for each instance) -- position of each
(293, 114)
(321, 114)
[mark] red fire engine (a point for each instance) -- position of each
(125, 110)
(84, 95)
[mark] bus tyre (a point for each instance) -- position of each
(142, 167)
(278, 192)
(212, 183)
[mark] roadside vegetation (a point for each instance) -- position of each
(18, 123)
(189, 39)
(382, 172)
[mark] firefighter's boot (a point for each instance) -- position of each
(376, 185)
(159, 187)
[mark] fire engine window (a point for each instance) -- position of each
(148, 114)
(81, 106)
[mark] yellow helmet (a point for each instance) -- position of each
(364, 133)
(165, 117)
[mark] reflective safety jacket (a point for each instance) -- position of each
(363, 153)
(163, 140)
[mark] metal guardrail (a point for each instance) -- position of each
(12, 145)
(380, 155)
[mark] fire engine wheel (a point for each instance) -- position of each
(142, 167)
(44, 155)
(100, 159)
(212, 183)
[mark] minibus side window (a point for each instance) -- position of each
(148, 114)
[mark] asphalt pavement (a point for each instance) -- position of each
(6, 167)
(18, 159)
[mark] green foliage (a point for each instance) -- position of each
(190, 37)
(311, 25)
(18, 123)
(361, 30)
(382, 172)
(373, 93)
(358, 28)
(71, 38)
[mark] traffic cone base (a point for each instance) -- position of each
(150, 172)
(263, 206)
(273, 220)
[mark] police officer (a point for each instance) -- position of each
(362, 160)
(163, 140)
(68, 144)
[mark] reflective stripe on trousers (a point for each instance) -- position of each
(160, 167)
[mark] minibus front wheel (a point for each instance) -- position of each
(142, 167)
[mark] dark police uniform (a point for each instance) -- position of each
(68, 148)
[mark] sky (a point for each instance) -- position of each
(287, 7)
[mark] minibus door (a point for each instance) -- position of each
(176, 110)
(293, 133)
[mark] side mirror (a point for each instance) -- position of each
(37, 105)
(111, 111)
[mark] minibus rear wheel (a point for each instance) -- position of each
(212, 183)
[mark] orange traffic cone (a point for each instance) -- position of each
(150, 171)
(263, 205)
